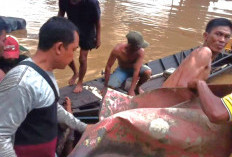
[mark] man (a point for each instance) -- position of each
(9, 52)
(218, 110)
(197, 65)
(85, 14)
(130, 58)
(29, 95)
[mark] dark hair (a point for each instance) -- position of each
(56, 29)
(216, 23)
(3, 27)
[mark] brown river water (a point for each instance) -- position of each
(168, 25)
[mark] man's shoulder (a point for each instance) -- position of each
(94, 4)
(22, 57)
(13, 77)
(202, 52)
(203, 49)
(22, 75)
(119, 48)
(120, 45)
(141, 51)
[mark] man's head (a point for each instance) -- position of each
(59, 36)
(135, 40)
(3, 28)
(217, 34)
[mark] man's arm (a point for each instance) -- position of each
(137, 67)
(61, 11)
(67, 118)
(15, 105)
(109, 64)
(211, 104)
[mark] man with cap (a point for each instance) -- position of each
(130, 64)
(9, 51)
(10, 56)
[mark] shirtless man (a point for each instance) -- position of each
(197, 65)
(130, 58)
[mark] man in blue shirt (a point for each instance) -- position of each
(85, 14)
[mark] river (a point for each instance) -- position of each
(168, 25)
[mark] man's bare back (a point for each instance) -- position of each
(196, 66)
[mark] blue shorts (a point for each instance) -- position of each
(120, 75)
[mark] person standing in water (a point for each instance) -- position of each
(85, 14)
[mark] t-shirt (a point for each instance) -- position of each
(227, 101)
(84, 15)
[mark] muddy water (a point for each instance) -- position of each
(168, 25)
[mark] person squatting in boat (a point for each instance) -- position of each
(130, 57)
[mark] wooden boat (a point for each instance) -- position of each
(13, 23)
(86, 105)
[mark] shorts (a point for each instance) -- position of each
(120, 75)
(87, 40)
(87, 44)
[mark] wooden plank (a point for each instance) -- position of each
(81, 99)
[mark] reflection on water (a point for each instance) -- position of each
(168, 25)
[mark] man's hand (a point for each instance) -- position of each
(131, 92)
(67, 104)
